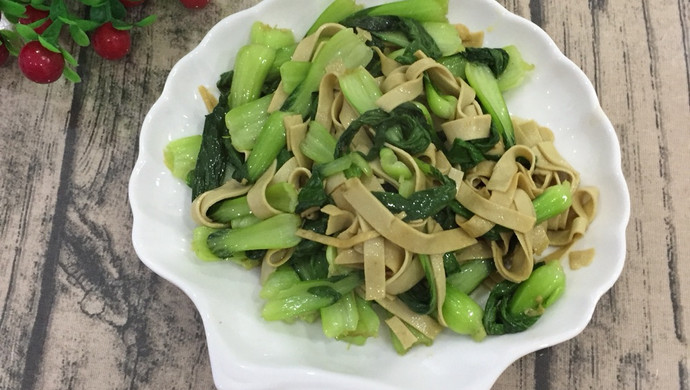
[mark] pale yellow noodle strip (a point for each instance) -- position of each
(394, 229)
(502, 215)
(349, 256)
(295, 132)
(203, 202)
(326, 100)
(266, 271)
(582, 258)
(338, 219)
(279, 97)
(469, 38)
(256, 197)
(210, 101)
(507, 167)
(409, 274)
(283, 174)
(423, 323)
(334, 241)
(405, 92)
(476, 226)
(395, 256)
(374, 269)
(402, 332)
(277, 257)
(388, 64)
(467, 128)
(440, 278)
(480, 250)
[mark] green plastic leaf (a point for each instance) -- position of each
(146, 21)
(68, 57)
(12, 9)
(48, 45)
(26, 32)
(87, 25)
(78, 35)
(117, 9)
(121, 25)
(71, 75)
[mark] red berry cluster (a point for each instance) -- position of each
(40, 57)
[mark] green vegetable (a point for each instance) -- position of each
(421, 10)
(335, 12)
(318, 143)
(341, 317)
(244, 122)
(344, 46)
(307, 296)
(309, 258)
(272, 233)
(470, 274)
(421, 339)
(199, 246)
(251, 68)
(180, 155)
(312, 194)
(271, 37)
(462, 314)
(405, 127)
(445, 36)
(337, 165)
(422, 297)
(283, 55)
(268, 144)
(515, 71)
(360, 89)
(282, 196)
(544, 286)
(292, 73)
(441, 105)
(424, 203)
(397, 170)
(507, 311)
(229, 209)
(482, 80)
(367, 326)
(407, 27)
(244, 221)
(495, 59)
(216, 153)
(553, 201)
(467, 154)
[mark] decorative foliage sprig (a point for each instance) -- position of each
(44, 21)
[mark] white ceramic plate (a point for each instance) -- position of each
(249, 353)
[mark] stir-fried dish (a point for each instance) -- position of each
(372, 171)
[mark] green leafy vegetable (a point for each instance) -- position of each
(405, 127)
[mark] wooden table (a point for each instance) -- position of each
(79, 310)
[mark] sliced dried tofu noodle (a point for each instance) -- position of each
(397, 231)
(200, 206)
(277, 257)
(337, 241)
(409, 274)
(494, 212)
(439, 274)
(295, 132)
(470, 38)
(480, 250)
(402, 332)
(326, 100)
(256, 197)
(467, 128)
(579, 259)
(422, 322)
(374, 268)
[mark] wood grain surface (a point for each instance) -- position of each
(80, 311)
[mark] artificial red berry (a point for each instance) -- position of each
(32, 15)
(111, 43)
(195, 3)
(39, 64)
(4, 53)
(131, 3)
